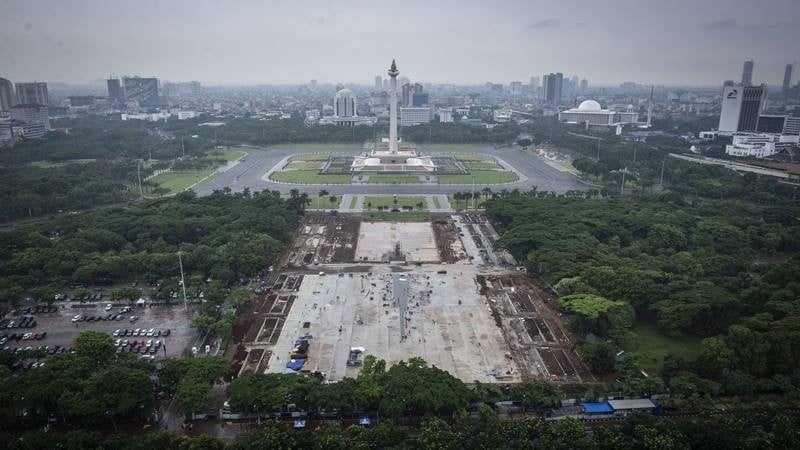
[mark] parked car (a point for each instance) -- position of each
(134, 318)
(108, 307)
(115, 333)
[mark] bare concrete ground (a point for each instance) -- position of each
(447, 322)
(62, 331)
(377, 242)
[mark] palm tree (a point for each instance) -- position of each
(321, 194)
(487, 191)
(332, 199)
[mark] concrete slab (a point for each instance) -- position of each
(377, 242)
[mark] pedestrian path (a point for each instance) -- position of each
(438, 203)
(348, 206)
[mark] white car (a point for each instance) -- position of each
(116, 333)
(150, 332)
(108, 307)
(76, 318)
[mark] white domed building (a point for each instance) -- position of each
(590, 112)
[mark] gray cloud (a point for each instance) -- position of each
(546, 23)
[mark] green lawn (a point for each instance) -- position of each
(311, 157)
(652, 346)
(393, 179)
(472, 157)
(388, 201)
(482, 165)
(462, 203)
(408, 216)
(309, 177)
(479, 177)
(304, 165)
(436, 203)
(324, 202)
(230, 155)
(180, 181)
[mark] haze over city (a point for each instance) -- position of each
(465, 42)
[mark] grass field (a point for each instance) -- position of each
(393, 179)
(471, 157)
(311, 157)
(180, 181)
(479, 177)
(463, 203)
(324, 202)
(309, 177)
(304, 165)
(436, 203)
(388, 201)
(229, 155)
(482, 165)
(652, 346)
(408, 216)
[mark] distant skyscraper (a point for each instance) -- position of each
(747, 73)
(407, 93)
(534, 83)
(7, 97)
(419, 99)
(143, 90)
(344, 104)
(378, 83)
(727, 83)
(552, 84)
(741, 106)
(516, 87)
(386, 84)
(32, 113)
(115, 90)
(787, 79)
(313, 84)
(584, 86)
(33, 93)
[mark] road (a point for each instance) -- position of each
(250, 173)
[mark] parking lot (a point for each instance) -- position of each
(60, 327)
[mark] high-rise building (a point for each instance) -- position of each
(741, 106)
(312, 84)
(534, 84)
(727, 83)
(7, 97)
(420, 99)
(787, 79)
(584, 86)
(552, 85)
(747, 73)
(115, 90)
(407, 93)
(344, 104)
(516, 87)
(378, 83)
(142, 90)
(35, 92)
(31, 113)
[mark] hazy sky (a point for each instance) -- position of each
(465, 41)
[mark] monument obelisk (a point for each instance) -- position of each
(393, 73)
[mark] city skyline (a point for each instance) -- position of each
(680, 43)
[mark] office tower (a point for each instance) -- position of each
(575, 83)
(33, 93)
(115, 90)
(787, 79)
(407, 93)
(534, 84)
(142, 90)
(344, 104)
(741, 106)
(747, 73)
(552, 85)
(378, 82)
(31, 113)
(385, 84)
(312, 84)
(7, 97)
(516, 87)
(727, 83)
(419, 99)
(584, 86)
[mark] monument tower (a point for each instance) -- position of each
(393, 73)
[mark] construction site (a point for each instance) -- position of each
(439, 290)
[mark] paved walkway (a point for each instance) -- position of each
(347, 200)
(441, 199)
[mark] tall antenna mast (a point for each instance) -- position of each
(650, 109)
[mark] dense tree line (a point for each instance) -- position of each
(742, 428)
(724, 271)
(222, 237)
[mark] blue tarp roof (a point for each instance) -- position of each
(295, 364)
(597, 408)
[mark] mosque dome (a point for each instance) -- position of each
(589, 105)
